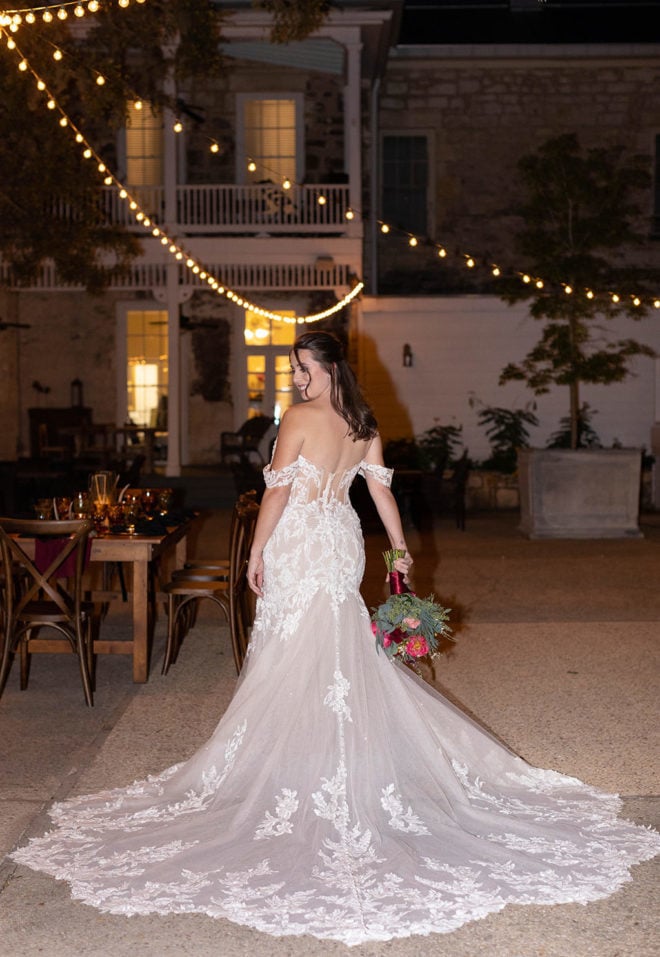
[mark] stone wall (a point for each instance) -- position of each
(481, 114)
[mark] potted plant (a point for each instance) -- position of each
(579, 223)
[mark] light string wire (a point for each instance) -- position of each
(30, 15)
(472, 261)
(180, 254)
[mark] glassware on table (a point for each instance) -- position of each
(149, 500)
(103, 487)
(165, 498)
(63, 507)
(131, 513)
(99, 515)
(115, 516)
(43, 509)
(81, 505)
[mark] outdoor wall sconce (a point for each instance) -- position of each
(407, 355)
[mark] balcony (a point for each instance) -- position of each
(256, 209)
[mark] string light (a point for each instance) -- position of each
(109, 180)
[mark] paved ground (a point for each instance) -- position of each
(557, 654)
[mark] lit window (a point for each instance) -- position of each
(147, 367)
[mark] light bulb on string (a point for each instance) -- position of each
(495, 271)
(22, 66)
(47, 16)
(178, 126)
(568, 289)
(252, 166)
(349, 214)
(30, 17)
(78, 11)
(321, 200)
(62, 14)
(100, 80)
(412, 241)
(589, 294)
(442, 252)
(384, 228)
(469, 262)
(214, 147)
(286, 184)
(539, 284)
(57, 54)
(615, 298)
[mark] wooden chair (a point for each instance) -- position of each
(241, 445)
(43, 600)
(222, 581)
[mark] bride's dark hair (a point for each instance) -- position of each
(345, 393)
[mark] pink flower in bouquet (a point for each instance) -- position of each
(412, 623)
(416, 647)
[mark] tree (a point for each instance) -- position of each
(579, 224)
(49, 195)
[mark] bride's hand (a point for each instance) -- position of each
(255, 574)
(404, 565)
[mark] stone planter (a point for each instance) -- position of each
(587, 493)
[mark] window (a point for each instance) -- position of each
(269, 134)
(268, 343)
(144, 145)
(405, 182)
(147, 367)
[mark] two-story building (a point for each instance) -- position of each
(268, 206)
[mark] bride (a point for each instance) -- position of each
(339, 796)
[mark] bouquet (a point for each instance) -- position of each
(405, 626)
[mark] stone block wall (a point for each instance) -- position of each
(481, 113)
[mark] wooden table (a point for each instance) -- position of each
(139, 551)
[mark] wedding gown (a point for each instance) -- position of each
(340, 795)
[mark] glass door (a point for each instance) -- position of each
(268, 371)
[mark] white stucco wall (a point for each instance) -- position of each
(460, 345)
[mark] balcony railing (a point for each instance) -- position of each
(254, 209)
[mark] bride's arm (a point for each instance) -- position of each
(386, 506)
(273, 502)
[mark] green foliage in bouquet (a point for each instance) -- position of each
(408, 627)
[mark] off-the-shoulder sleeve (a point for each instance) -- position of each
(378, 472)
(275, 478)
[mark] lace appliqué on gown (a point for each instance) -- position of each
(311, 811)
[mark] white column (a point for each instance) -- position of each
(353, 133)
(174, 376)
(172, 291)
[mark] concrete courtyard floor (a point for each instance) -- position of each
(556, 653)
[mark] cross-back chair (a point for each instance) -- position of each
(48, 595)
(222, 580)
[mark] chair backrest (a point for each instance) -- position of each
(43, 573)
(254, 429)
(240, 604)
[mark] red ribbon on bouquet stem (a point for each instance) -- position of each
(397, 584)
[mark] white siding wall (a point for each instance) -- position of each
(460, 345)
